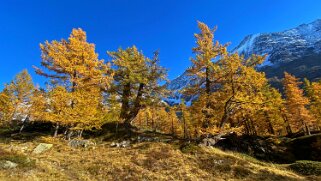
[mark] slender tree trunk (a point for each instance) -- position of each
(172, 127)
(184, 123)
(80, 133)
(70, 133)
(24, 124)
(253, 127)
(152, 119)
(226, 111)
(307, 129)
(125, 103)
(21, 128)
(56, 130)
(271, 130)
(206, 123)
(287, 124)
(65, 132)
(117, 124)
(246, 127)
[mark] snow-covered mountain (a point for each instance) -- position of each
(286, 46)
(297, 51)
(178, 84)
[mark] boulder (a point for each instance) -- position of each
(81, 143)
(42, 147)
(211, 140)
(9, 165)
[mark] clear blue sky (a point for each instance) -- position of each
(167, 25)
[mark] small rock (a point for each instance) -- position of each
(81, 143)
(42, 147)
(122, 144)
(125, 144)
(9, 165)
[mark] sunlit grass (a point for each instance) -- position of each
(143, 161)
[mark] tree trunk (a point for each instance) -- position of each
(271, 130)
(24, 124)
(117, 124)
(56, 130)
(21, 128)
(184, 123)
(253, 127)
(226, 112)
(127, 113)
(287, 124)
(307, 129)
(172, 127)
(70, 133)
(80, 133)
(247, 127)
(206, 123)
(125, 102)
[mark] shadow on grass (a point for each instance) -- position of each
(31, 132)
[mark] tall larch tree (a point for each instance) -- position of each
(240, 85)
(21, 89)
(313, 92)
(74, 64)
(296, 103)
(136, 81)
(203, 67)
(6, 106)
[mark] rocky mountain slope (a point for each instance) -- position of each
(297, 51)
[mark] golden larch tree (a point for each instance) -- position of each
(296, 103)
(136, 81)
(74, 64)
(203, 67)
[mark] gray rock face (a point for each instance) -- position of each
(9, 165)
(42, 147)
(285, 46)
(81, 143)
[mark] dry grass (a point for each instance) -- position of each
(143, 161)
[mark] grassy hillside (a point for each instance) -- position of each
(141, 161)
